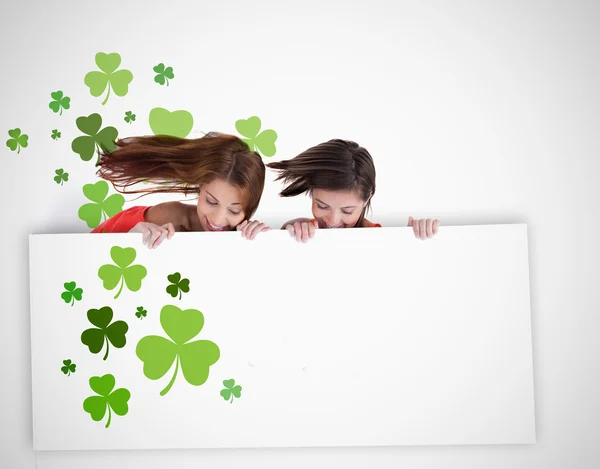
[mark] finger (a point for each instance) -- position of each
(159, 235)
(410, 221)
(311, 230)
(257, 229)
(429, 227)
(304, 232)
(241, 225)
(298, 231)
(153, 237)
(250, 229)
(422, 228)
(315, 224)
(170, 229)
(415, 225)
(290, 230)
(436, 226)
(161, 238)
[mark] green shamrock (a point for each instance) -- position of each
(59, 102)
(61, 176)
(17, 141)
(158, 353)
(55, 134)
(141, 312)
(98, 81)
(231, 390)
(163, 74)
(72, 293)
(68, 368)
(116, 400)
(129, 117)
(102, 207)
(178, 285)
(94, 140)
(263, 141)
(123, 271)
(164, 122)
(114, 333)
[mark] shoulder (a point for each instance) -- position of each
(168, 212)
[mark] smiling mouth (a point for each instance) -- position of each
(329, 226)
(212, 227)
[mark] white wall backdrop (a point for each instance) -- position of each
(474, 112)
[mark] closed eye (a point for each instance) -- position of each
(211, 202)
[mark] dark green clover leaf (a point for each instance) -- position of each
(263, 141)
(178, 285)
(99, 81)
(94, 140)
(116, 400)
(231, 390)
(129, 117)
(55, 134)
(72, 293)
(141, 312)
(101, 207)
(59, 102)
(158, 353)
(61, 176)
(68, 367)
(163, 74)
(114, 333)
(123, 271)
(17, 141)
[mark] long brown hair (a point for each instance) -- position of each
(182, 165)
(334, 165)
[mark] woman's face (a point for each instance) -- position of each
(336, 209)
(219, 206)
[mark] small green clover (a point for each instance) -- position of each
(231, 390)
(59, 102)
(129, 117)
(61, 176)
(17, 141)
(55, 134)
(123, 271)
(178, 285)
(94, 140)
(158, 353)
(114, 333)
(99, 81)
(116, 400)
(263, 141)
(141, 312)
(68, 367)
(163, 74)
(72, 293)
(101, 206)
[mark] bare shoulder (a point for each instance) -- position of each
(291, 222)
(168, 212)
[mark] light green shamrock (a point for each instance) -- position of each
(231, 390)
(106, 399)
(99, 81)
(263, 141)
(101, 206)
(123, 271)
(158, 353)
(59, 102)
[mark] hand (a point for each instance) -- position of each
(153, 234)
(424, 228)
(302, 230)
(251, 228)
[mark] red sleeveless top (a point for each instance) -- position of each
(123, 221)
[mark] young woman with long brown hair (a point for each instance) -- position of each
(339, 175)
(227, 177)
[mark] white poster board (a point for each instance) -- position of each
(359, 337)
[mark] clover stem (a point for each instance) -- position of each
(107, 345)
(167, 81)
(73, 300)
(109, 416)
(18, 149)
(231, 401)
(166, 390)
(180, 294)
(60, 111)
(121, 288)
(107, 95)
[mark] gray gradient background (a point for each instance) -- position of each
(475, 112)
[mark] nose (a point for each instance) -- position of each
(334, 220)
(220, 218)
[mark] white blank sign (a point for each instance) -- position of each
(359, 337)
